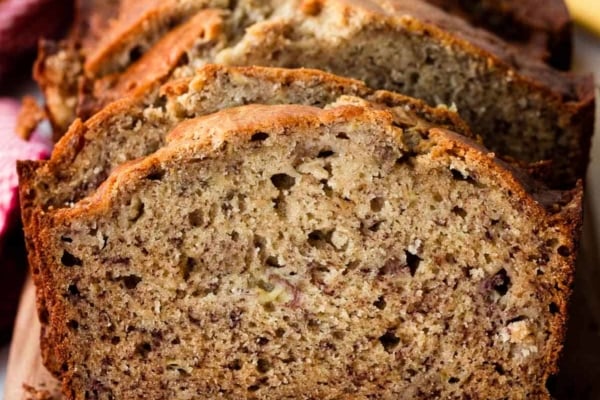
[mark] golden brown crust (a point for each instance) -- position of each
(30, 115)
(355, 87)
(26, 171)
(80, 134)
(127, 21)
(560, 97)
(133, 22)
(569, 97)
(58, 167)
(154, 67)
(567, 100)
(46, 300)
(418, 17)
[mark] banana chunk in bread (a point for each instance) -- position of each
(284, 252)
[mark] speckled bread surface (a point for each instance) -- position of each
(136, 126)
(275, 252)
(110, 35)
(542, 28)
(521, 107)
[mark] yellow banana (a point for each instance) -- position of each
(586, 13)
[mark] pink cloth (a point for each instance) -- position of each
(13, 148)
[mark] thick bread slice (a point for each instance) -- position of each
(136, 126)
(542, 28)
(272, 251)
(522, 108)
(112, 35)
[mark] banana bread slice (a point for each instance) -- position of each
(423, 52)
(542, 28)
(268, 251)
(201, 37)
(136, 28)
(136, 126)
(112, 35)
(521, 107)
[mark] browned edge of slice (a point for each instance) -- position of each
(541, 28)
(155, 66)
(143, 22)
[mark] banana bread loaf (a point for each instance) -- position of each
(271, 251)
(521, 107)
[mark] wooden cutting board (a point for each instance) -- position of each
(24, 360)
(580, 366)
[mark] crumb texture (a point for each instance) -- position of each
(520, 108)
(344, 259)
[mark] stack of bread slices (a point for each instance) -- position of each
(308, 199)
